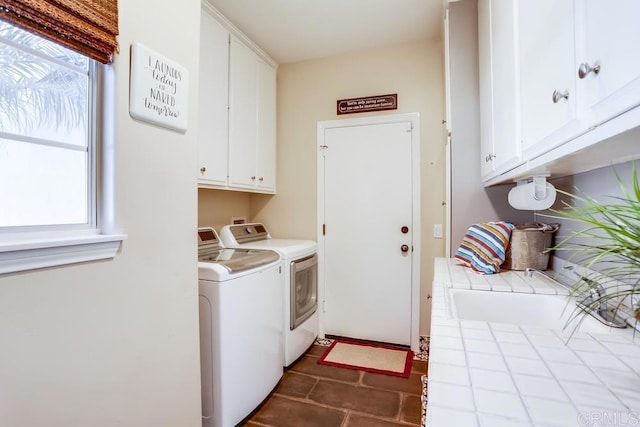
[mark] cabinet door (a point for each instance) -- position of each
(485, 73)
(506, 108)
(547, 66)
(266, 144)
(213, 102)
(499, 87)
(243, 109)
(611, 35)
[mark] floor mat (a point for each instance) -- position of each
(368, 357)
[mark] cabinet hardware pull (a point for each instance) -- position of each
(261, 178)
(490, 157)
(557, 95)
(253, 178)
(585, 69)
(203, 169)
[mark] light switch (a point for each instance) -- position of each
(437, 231)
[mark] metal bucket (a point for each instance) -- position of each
(528, 246)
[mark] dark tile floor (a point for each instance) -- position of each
(310, 394)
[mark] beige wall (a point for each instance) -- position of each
(217, 207)
(307, 93)
(116, 342)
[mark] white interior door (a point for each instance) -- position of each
(367, 200)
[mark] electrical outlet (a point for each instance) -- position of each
(437, 231)
(238, 220)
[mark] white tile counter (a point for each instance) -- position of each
(499, 374)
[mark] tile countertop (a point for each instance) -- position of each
(497, 374)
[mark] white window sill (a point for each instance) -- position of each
(24, 255)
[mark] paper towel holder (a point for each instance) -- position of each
(539, 185)
(539, 194)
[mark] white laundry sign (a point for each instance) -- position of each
(158, 90)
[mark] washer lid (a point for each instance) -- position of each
(237, 260)
(211, 250)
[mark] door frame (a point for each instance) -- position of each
(414, 119)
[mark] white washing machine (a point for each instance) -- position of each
(241, 336)
(300, 266)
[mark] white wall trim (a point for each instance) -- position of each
(23, 256)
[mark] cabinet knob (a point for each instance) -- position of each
(261, 178)
(203, 169)
(585, 69)
(557, 95)
(404, 248)
(253, 178)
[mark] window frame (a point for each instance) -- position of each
(35, 247)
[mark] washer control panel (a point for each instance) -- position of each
(245, 233)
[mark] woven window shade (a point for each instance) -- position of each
(88, 27)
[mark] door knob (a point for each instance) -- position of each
(404, 248)
(404, 229)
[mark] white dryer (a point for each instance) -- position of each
(300, 266)
(241, 336)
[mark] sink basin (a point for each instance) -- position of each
(545, 311)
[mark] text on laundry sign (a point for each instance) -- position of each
(370, 103)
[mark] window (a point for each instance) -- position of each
(51, 114)
(47, 132)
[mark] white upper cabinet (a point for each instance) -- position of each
(213, 95)
(547, 74)
(266, 127)
(608, 63)
(485, 89)
(577, 85)
(252, 85)
(499, 87)
(243, 111)
(237, 110)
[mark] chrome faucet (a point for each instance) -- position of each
(528, 272)
(596, 293)
(595, 302)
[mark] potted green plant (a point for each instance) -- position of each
(608, 246)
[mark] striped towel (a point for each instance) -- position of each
(484, 246)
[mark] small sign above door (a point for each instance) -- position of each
(369, 103)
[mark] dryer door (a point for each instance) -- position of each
(304, 289)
